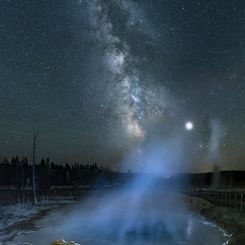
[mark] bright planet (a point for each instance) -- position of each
(189, 126)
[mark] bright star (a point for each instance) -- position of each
(189, 126)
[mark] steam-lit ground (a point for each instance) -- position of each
(123, 218)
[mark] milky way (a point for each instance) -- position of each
(135, 102)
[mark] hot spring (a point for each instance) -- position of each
(138, 213)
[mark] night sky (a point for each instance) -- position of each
(100, 79)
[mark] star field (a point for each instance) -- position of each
(101, 78)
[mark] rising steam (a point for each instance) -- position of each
(214, 142)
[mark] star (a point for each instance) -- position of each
(189, 125)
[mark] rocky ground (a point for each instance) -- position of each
(16, 216)
(230, 219)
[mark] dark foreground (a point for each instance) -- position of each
(100, 220)
(230, 220)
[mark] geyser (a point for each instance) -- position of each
(214, 151)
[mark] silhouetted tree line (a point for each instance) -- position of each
(18, 172)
